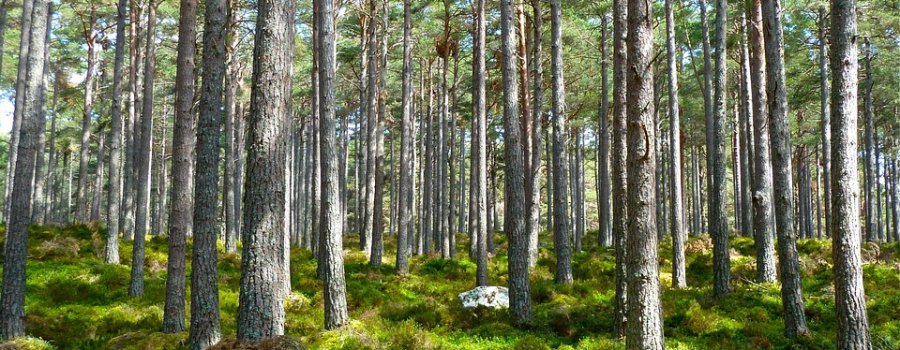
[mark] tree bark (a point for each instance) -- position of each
(479, 168)
(371, 130)
(644, 326)
(335, 286)
(677, 226)
(561, 228)
(791, 293)
(514, 204)
(825, 115)
(12, 298)
(849, 293)
(24, 43)
(183, 138)
(534, 202)
(93, 57)
(603, 183)
(407, 139)
(871, 224)
(715, 144)
(204, 331)
(619, 158)
(261, 307)
(763, 221)
(144, 159)
(114, 201)
(232, 78)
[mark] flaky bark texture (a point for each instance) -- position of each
(644, 326)
(144, 159)
(561, 228)
(534, 202)
(849, 295)
(679, 279)
(12, 299)
(789, 261)
(204, 274)
(332, 248)
(826, 117)
(514, 205)
(261, 304)
(407, 139)
(763, 222)
(870, 161)
(479, 171)
(619, 158)
(183, 138)
(114, 200)
(715, 144)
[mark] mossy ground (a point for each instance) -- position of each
(75, 301)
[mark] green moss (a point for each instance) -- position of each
(26, 343)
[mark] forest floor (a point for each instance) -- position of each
(75, 301)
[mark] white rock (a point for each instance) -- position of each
(485, 296)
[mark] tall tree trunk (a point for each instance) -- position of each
(825, 115)
(763, 222)
(204, 330)
(377, 237)
(619, 159)
(534, 178)
(745, 125)
(144, 159)
(261, 307)
(789, 269)
(871, 228)
(479, 148)
(114, 201)
(895, 200)
(12, 298)
(25, 24)
(407, 139)
(561, 227)
(38, 212)
(335, 287)
(715, 144)
(93, 66)
(514, 203)
(98, 178)
(677, 226)
(232, 78)
(849, 293)
(371, 130)
(644, 328)
(603, 182)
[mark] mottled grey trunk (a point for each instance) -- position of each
(232, 78)
(871, 228)
(715, 144)
(365, 239)
(335, 287)
(443, 136)
(534, 202)
(603, 183)
(619, 158)
(377, 237)
(763, 223)
(744, 124)
(183, 143)
(12, 299)
(514, 204)
(849, 293)
(93, 66)
(52, 189)
(38, 212)
(561, 227)
(789, 269)
(677, 225)
(144, 159)
(407, 139)
(261, 304)
(479, 154)
(98, 176)
(825, 115)
(19, 107)
(645, 324)
(111, 251)
(204, 330)
(878, 217)
(895, 201)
